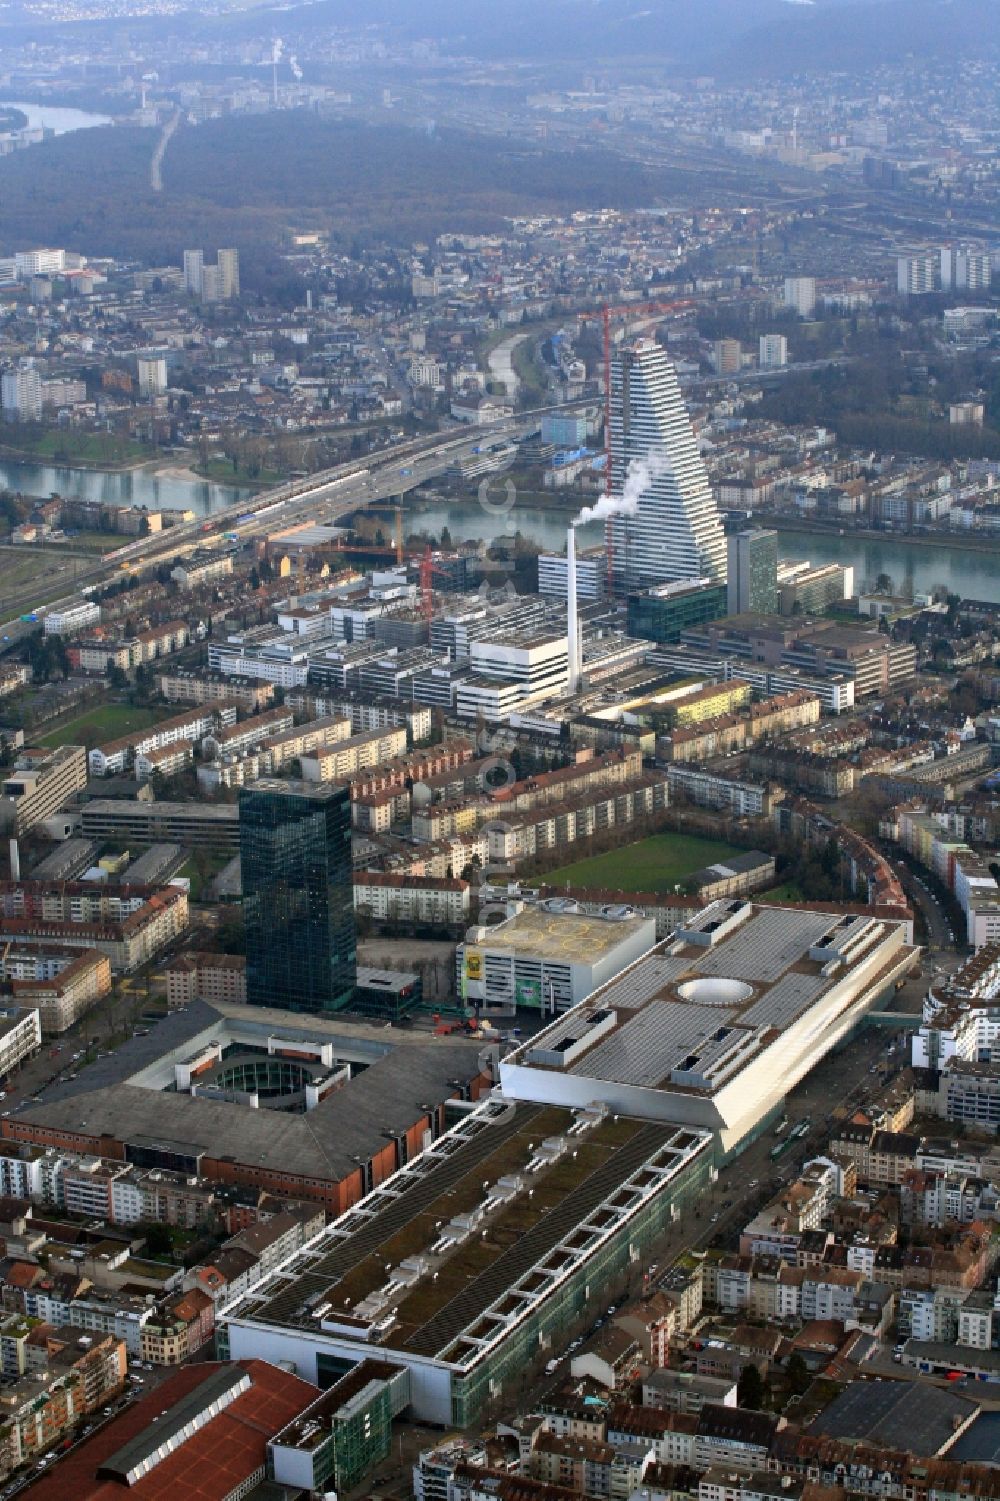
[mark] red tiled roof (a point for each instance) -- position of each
(22, 1274)
(209, 1466)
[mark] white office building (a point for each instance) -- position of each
(44, 262)
(591, 575)
(674, 530)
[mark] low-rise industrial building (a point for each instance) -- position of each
(302, 1107)
(192, 825)
(468, 1263)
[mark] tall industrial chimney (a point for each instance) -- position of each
(572, 614)
(15, 861)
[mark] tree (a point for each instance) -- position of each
(750, 1390)
(158, 1240)
(797, 1374)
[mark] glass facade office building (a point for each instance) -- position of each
(295, 853)
(663, 617)
(753, 573)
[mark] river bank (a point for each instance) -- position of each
(938, 541)
(161, 484)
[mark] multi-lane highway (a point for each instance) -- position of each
(321, 497)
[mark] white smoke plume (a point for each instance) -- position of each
(641, 474)
(293, 63)
(277, 48)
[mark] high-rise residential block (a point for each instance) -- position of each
(727, 356)
(918, 274)
(295, 856)
(211, 284)
(229, 273)
(194, 262)
(965, 268)
(21, 393)
(773, 351)
(800, 294)
(668, 525)
(152, 371)
(753, 573)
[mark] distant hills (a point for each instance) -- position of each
(768, 37)
(728, 38)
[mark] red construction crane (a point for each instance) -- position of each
(625, 310)
(428, 568)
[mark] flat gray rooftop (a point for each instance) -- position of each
(407, 1072)
(907, 1415)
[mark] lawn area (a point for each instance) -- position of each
(221, 472)
(86, 448)
(98, 542)
(658, 863)
(106, 722)
(789, 892)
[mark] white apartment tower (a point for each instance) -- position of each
(152, 371)
(229, 273)
(965, 268)
(918, 274)
(773, 351)
(800, 294)
(194, 262)
(21, 393)
(675, 531)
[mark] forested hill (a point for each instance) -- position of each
(245, 181)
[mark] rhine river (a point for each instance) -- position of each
(971, 574)
(125, 487)
(60, 121)
(963, 571)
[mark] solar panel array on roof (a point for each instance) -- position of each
(642, 982)
(764, 947)
(785, 1001)
(649, 1045)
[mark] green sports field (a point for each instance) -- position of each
(107, 722)
(656, 864)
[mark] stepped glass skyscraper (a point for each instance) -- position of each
(674, 531)
(295, 857)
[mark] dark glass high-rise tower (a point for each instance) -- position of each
(753, 572)
(295, 854)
